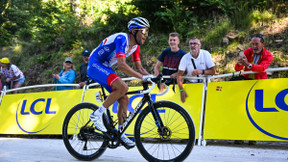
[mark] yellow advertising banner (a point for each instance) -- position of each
(36, 113)
(44, 112)
(247, 110)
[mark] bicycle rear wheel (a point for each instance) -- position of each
(176, 139)
(80, 137)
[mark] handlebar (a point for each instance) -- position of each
(150, 89)
(155, 80)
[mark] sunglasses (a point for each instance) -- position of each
(193, 44)
(144, 31)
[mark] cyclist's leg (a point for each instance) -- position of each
(122, 115)
(119, 89)
(105, 76)
(122, 109)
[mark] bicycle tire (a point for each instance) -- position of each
(177, 145)
(74, 140)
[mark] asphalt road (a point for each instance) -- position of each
(50, 150)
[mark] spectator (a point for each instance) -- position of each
(170, 58)
(83, 69)
(66, 76)
(14, 76)
(256, 58)
(197, 62)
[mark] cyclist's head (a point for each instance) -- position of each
(137, 23)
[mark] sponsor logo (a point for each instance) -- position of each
(219, 88)
(100, 69)
(26, 112)
(106, 49)
(266, 113)
(101, 52)
(131, 99)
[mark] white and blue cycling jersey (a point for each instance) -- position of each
(105, 55)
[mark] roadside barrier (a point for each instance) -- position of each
(238, 110)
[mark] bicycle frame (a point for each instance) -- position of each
(88, 143)
(146, 99)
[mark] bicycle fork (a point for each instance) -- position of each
(162, 130)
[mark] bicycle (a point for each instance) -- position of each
(164, 131)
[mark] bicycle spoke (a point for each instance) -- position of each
(165, 143)
(80, 137)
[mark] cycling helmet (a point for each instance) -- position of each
(138, 22)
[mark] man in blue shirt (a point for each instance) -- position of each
(170, 58)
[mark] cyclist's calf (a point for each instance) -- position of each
(122, 108)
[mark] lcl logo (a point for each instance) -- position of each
(35, 109)
(279, 100)
(270, 117)
(131, 99)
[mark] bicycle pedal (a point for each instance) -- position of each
(126, 146)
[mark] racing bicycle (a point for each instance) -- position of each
(164, 131)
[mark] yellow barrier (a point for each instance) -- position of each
(239, 110)
(247, 110)
(43, 113)
(36, 113)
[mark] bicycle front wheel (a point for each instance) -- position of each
(173, 142)
(81, 138)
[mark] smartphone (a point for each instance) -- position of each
(241, 54)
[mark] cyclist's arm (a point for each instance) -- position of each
(125, 68)
(156, 68)
(139, 68)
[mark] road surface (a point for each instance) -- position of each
(50, 150)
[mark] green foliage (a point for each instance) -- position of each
(262, 16)
(178, 19)
(40, 34)
(120, 18)
(215, 35)
(241, 16)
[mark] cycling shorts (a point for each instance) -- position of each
(102, 74)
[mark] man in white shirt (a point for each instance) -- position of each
(197, 62)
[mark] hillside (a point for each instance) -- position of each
(38, 35)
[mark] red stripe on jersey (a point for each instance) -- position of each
(104, 42)
(136, 54)
(111, 79)
(120, 54)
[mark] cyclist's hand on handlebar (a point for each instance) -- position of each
(146, 77)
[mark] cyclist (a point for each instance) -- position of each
(114, 49)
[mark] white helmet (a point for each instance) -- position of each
(138, 22)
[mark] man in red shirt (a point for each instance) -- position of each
(257, 58)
